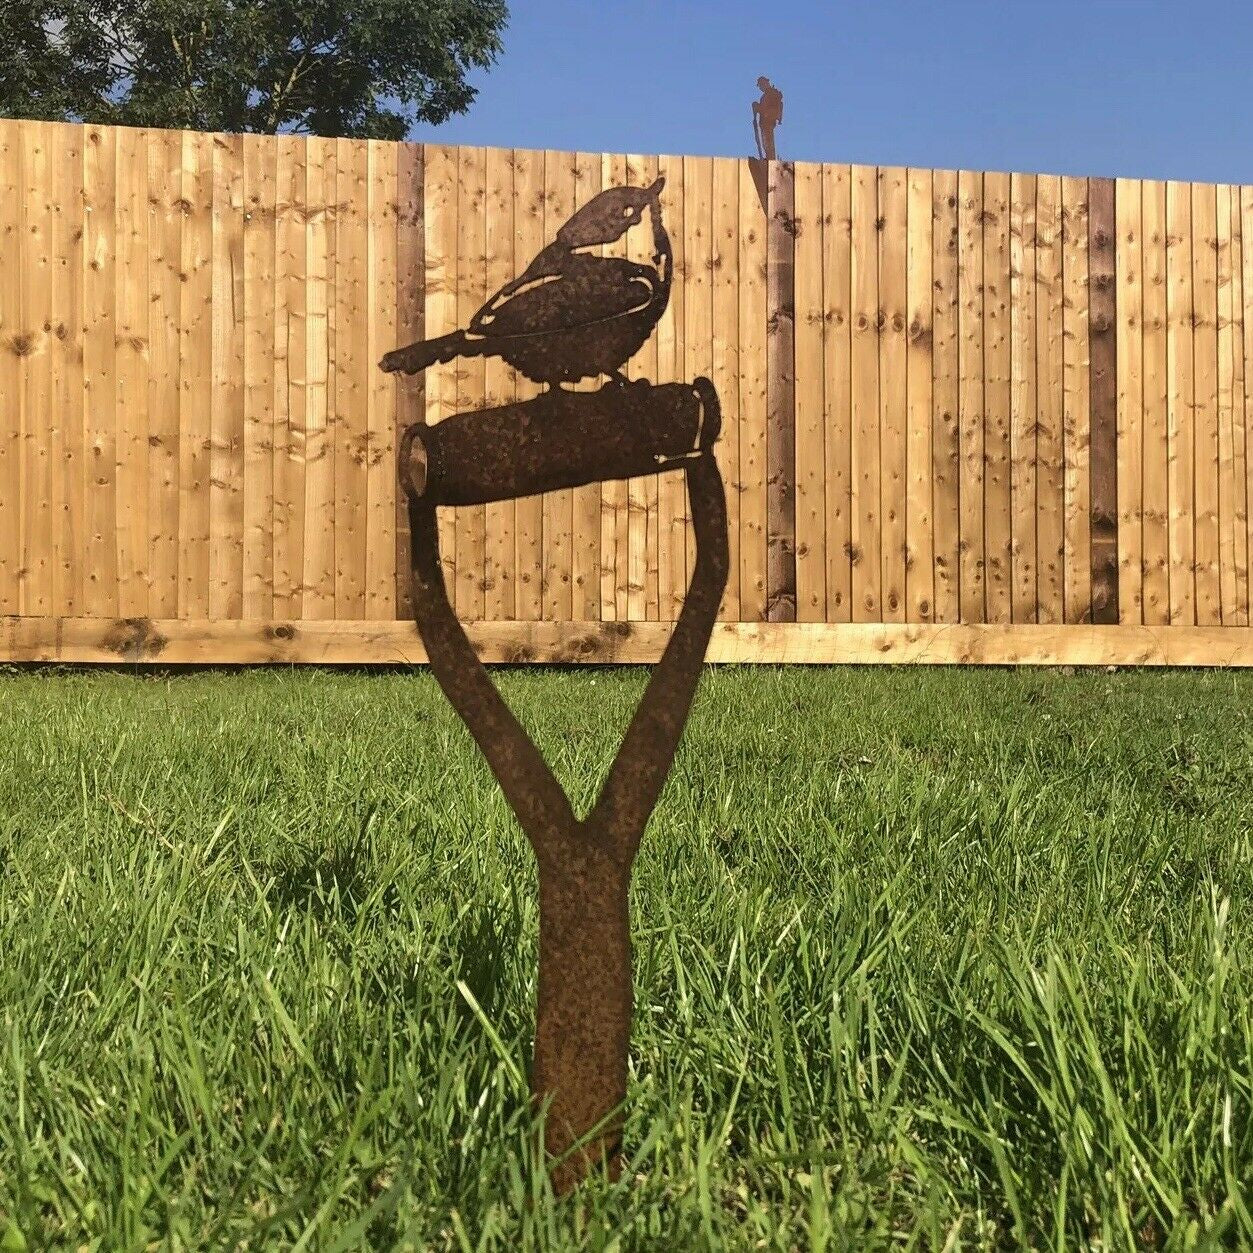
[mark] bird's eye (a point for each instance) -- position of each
(628, 212)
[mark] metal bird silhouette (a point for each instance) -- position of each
(572, 314)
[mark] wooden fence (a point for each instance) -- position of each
(967, 416)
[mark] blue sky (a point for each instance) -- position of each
(1110, 87)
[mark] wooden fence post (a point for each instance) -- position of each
(780, 395)
(1103, 393)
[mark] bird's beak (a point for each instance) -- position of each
(655, 190)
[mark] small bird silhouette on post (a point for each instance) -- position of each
(572, 314)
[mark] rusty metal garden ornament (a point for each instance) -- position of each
(573, 314)
(767, 114)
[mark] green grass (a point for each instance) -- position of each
(929, 958)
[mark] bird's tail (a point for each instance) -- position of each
(426, 353)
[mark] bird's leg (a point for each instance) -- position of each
(616, 376)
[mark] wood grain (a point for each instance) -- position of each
(919, 532)
(946, 396)
(226, 454)
(969, 392)
(1129, 260)
(1103, 400)
(893, 379)
(727, 216)
(499, 384)
(780, 395)
(1179, 415)
(165, 218)
(99, 363)
(260, 248)
(174, 642)
(1024, 592)
(1205, 402)
(752, 332)
(1050, 402)
(470, 375)
(1155, 498)
(866, 538)
(671, 489)
(997, 369)
(837, 261)
(131, 367)
(382, 549)
(1076, 401)
(290, 354)
(971, 371)
(810, 452)
(98, 370)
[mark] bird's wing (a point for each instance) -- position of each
(584, 290)
(547, 264)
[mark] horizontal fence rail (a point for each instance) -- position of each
(951, 400)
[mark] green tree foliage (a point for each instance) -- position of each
(363, 68)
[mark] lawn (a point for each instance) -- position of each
(929, 958)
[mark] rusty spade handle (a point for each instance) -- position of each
(617, 821)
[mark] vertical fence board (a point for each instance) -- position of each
(51, 369)
(99, 349)
(1076, 399)
(1246, 311)
(291, 352)
(919, 536)
(893, 401)
(585, 507)
(439, 172)
(1022, 420)
(810, 453)
(1103, 401)
(13, 341)
(1239, 433)
(559, 187)
(528, 191)
(1155, 511)
(638, 248)
(498, 381)
(1226, 432)
(196, 358)
(260, 195)
(946, 396)
(410, 389)
(1050, 402)
(998, 365)
(697, 294)
(752, 332)
(319, 525)
(165, 161)
(864, 468)
(1205, 402)
(837, 380)
(971, 399)
(382, 300)
(470, 522)
(1180, 411)
(226, 569)
(780, 394)
(132, 369)
(1130, 257)
(349, 423)
(69, 494)
(727, 217)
